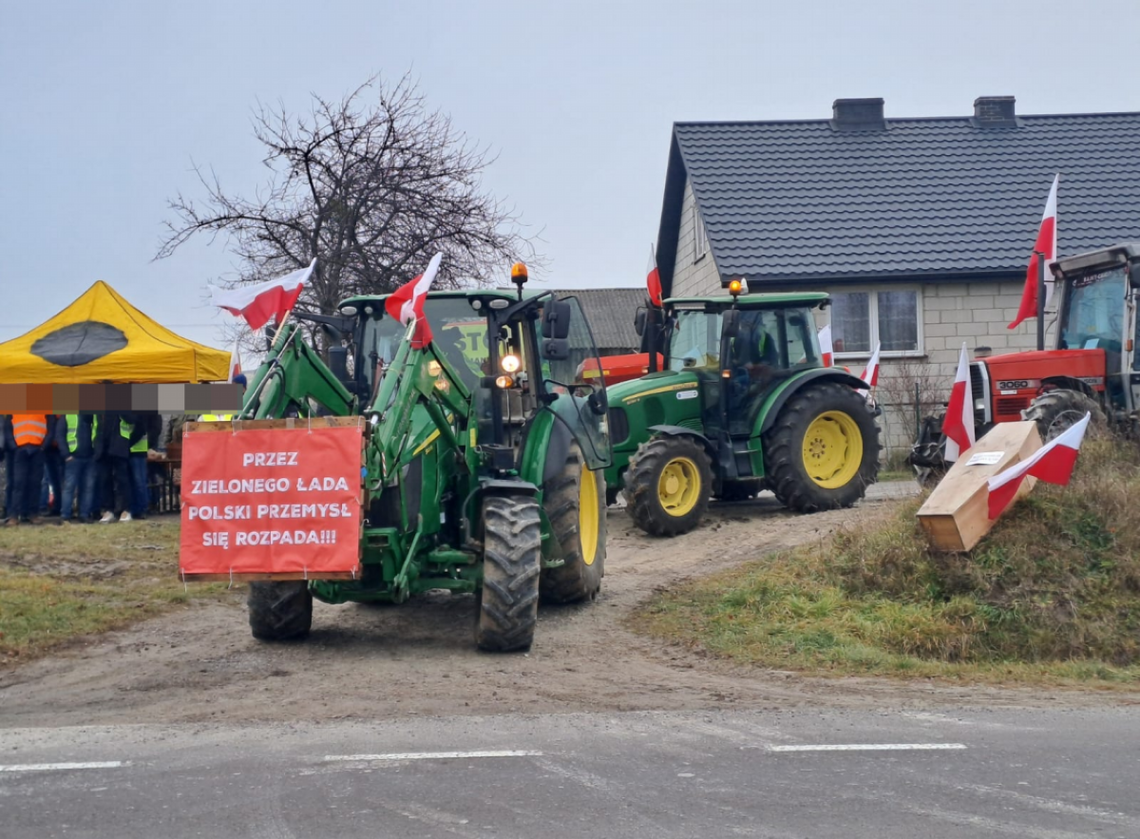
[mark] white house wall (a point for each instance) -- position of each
(692, 279)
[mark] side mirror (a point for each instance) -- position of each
(555, 349)
(731, 323)
(338, 363)
(639, 321)
(598, 401)
(556, 320)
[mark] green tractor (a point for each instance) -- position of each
(483, 455)
(744, 404)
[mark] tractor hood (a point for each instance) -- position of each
(1041, 364)
(633, 391)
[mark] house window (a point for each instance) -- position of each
(700, 235)
(860, 319)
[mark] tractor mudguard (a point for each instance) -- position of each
(766, 418)
(557, 449)
(681, 431)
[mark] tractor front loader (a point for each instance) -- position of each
(483, 455)
(744, 404)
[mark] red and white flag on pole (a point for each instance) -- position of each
(825, 348)
(1046, 244)
(260, 303)
(407, 303)
(1052, 463)
(871, 374)
(958, 424)
(235, 362)
(653, 280)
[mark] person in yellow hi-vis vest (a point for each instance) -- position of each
(239, 379)
(117, 432)
(75, 435)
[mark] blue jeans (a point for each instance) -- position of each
(28, 472)
(53, 481)
(140, 500)
(79, 480)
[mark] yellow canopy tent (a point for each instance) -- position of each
(103, 337)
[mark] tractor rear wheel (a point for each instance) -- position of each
(280, 611)
(512, 562)
(1055, 411)
(667, 485)
(823, 451)
(574, 501)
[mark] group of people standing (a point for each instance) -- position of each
(78, 466)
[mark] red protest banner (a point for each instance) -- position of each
(274, 501)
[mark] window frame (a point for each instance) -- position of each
(700, 235)
(873, 319)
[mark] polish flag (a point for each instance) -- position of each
(407, 303)
(235, 362)
(260, 303)
(1046, 244)
(825, 347)
(958, 424)
(653, 280)
(1052, 463)
(871, 374)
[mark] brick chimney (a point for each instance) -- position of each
(994, 112)
(858, 115)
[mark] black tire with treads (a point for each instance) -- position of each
(280, 611)
(512, 563)
(1055, 411)
(644, 474)
(579, 577)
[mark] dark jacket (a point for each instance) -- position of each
(7, 437)
(109, 442)
(152, 422)
(50, 439)
(84, 444)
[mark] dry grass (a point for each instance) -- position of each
(58, 583)
(1053, 594)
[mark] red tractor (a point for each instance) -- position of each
(1092, 368)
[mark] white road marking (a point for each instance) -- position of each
(868, 747)
(50, 767)
(433, 755)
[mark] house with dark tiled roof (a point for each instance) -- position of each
(921, 229)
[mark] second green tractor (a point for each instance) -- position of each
(744, 404)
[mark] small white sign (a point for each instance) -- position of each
(985, 458)
(686, 394)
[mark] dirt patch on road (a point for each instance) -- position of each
(419, 659)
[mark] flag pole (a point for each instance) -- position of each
(1040, 299)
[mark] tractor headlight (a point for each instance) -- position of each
(510, 363)
(504, 382)
(434, 368)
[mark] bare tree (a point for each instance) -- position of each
(371, 185)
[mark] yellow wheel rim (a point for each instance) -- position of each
(833, 449)
(679, 487)
(588, 515)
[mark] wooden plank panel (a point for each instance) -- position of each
(261, 578)
(291, 424)
(956, 515)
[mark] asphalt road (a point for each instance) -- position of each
(977, 773)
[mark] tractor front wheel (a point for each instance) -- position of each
(574, 501)
(512, 562)
(823, 451)
(1055, 411)
(280, 611)
(667, 485)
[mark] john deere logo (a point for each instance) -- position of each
(79, 343)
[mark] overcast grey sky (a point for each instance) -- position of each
(105, 106)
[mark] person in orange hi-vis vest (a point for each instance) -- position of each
(29, 435)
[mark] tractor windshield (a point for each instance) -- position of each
(695, 340)
(1093, 317)
(459, 331)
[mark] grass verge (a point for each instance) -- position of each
(58, 583)
(1052, 595)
